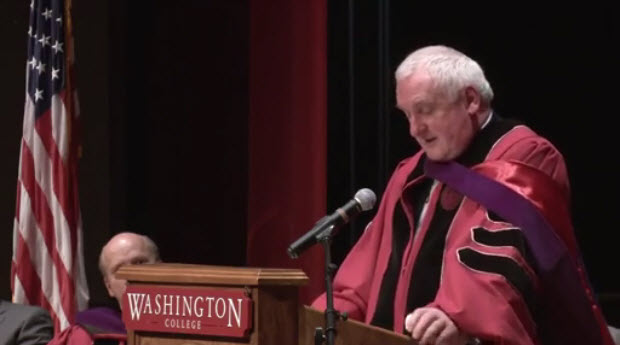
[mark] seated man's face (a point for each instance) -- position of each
(119, 253)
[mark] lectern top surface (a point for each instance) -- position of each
(212, 275)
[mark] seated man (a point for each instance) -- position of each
(123, 249)
(24, 325)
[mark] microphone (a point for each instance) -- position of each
(363, 200)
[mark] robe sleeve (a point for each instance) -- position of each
(364, 266)
(353, 280)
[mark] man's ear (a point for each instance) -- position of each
(106, 281)
(473, 100)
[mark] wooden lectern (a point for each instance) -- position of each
(180, 304)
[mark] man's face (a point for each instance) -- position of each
(440, 125)
(124, 251)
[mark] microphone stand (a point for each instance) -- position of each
(331, 315)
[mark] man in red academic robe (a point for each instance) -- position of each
(472, 240)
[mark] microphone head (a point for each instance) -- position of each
(366, 198)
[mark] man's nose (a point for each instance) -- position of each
(416, 127)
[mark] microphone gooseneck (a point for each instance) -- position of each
(363, 200)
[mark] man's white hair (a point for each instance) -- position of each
(449, 69)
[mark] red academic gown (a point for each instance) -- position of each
(492, 306)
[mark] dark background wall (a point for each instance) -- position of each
(178, 127)
(164, 102)
(184, 124)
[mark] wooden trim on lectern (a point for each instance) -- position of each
(211, 275)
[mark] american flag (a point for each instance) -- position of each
(47, 264)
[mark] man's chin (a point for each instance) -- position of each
(437, 156)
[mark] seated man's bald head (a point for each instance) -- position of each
(123, 249)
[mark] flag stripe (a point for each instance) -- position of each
(44, 128)
(26, 273)
(43, 179)
(65, 187)
(61, 131)
(27, 276)
(81, 284)
(37, 268)
(17, 201)
(43, 215)
(65, 180)
(62, 231)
